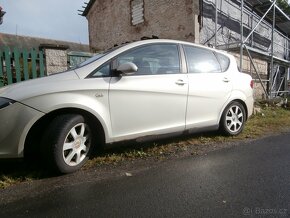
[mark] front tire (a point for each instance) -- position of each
(233, 119)
(67, 143)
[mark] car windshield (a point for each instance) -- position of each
(98, 56)
(92, 59)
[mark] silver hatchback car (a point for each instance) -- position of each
(145, 88)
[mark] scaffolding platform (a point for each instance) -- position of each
(256, 53)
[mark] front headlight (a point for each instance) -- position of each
(4, 102)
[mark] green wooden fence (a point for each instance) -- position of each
(17, 65)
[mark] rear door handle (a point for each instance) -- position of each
(180, 82)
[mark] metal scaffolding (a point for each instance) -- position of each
(265, 11)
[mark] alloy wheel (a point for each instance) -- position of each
(76, 144)
(234, 118)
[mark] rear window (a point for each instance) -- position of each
(224, 61)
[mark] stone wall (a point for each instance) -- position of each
(262, 68)
(110, 22)
(56, 60)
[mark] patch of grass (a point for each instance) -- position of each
(270, 120)
(6, 181)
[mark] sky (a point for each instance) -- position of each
(51, 19)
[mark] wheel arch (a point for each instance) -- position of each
(33, 138)
(243, 103)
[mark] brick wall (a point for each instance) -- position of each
(110, 21)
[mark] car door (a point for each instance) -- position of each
(209, 86)
(153, 100)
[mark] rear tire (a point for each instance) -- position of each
(233, 119)
(67, 143)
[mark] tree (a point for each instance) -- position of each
(283, 4)
(1, 15)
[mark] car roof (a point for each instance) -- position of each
(151, 41)
(129, 45)
(126, 46)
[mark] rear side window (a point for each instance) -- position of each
(224, 61)
(200, 60)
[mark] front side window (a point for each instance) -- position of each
(102, 71)
(153, 59)
(200, 60)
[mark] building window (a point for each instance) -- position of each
(137, 11)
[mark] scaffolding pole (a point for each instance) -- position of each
(271, 73)
(216, 22)
(255, 69)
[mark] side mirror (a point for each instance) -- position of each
(127, 68)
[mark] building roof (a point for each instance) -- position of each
(87, 7)
(28, 42)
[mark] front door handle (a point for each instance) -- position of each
(226, 80)
(180, 82)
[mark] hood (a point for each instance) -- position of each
(40, 86)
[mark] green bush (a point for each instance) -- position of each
(283, 4)
(3, 81)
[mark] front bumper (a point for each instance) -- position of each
(15, 122)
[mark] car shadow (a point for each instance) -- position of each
(129, 146)
(22, 170)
